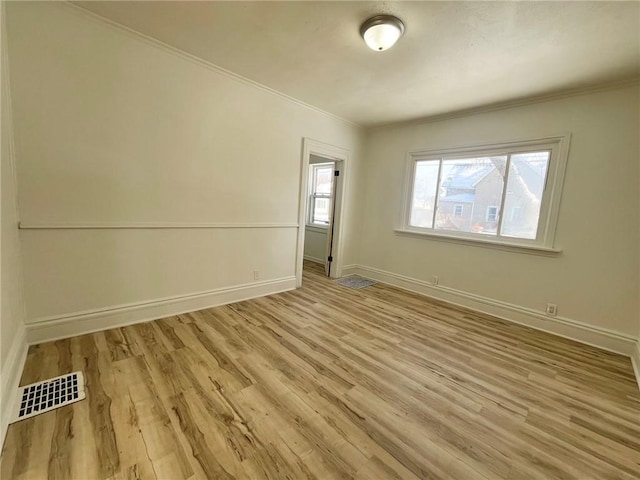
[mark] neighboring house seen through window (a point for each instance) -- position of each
(463, 192)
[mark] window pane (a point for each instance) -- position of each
(525, 186)
(424, 193)
(492, 214)
(476, 184)
(320, 212)
(324, 180)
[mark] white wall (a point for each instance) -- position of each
(595, 279)
(112, 129)
(12, 332)
(315, 243)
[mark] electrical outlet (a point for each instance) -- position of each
(552, 309)
(435, 280)
(256, 274)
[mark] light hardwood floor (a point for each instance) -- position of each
(326, 382)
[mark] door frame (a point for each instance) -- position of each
(341, 157)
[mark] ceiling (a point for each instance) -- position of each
(453, 56)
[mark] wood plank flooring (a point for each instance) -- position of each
(327, 382)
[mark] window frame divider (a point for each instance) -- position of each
(505, 183)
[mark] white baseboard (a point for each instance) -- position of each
(64, 326)
(349, 270)
(565, 327)
(11, 373)
(313, 259)
(635, 361)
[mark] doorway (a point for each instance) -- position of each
(318, 234)
(322, 183)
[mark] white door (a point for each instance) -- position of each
(330, 227)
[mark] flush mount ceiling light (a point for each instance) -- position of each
(381, 32)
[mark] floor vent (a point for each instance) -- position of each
(48, 395)
(355, 281)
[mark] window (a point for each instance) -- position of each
(462, 193)
(515, 214)
(492, 214)
(321, 184)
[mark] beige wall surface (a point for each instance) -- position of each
(114, 129)
(13, 344)
(315, 243)
(595, 278)
(12, 313)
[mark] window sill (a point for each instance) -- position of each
(476, 242)
(316, 228)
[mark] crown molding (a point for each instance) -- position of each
(149, 40)
(492, 107)
(520, 102)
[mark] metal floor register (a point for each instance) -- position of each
(48, 395)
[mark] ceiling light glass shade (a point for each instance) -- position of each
(381, 32)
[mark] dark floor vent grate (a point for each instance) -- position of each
(48, 395)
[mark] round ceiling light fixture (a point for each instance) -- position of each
(381, 32)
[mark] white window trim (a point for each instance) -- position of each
(549, 212)
(461, 211)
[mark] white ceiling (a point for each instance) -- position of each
(453, 56)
